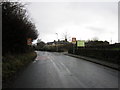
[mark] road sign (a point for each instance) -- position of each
(80, 43)
(74, 40)
(29, 41)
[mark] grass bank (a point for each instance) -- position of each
(12, 64)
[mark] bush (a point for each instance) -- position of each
(13, 63)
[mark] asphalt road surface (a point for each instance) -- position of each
(55, 70)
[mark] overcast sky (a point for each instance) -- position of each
(83, 20)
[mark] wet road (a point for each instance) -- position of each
(55, 70)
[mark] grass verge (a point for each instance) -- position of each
(12, 64)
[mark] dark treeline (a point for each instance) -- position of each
(16, 28)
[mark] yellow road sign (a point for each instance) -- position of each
(80, 43)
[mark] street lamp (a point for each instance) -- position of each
(57, 35)
(57, 42)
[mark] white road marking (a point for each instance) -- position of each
(66, 68)
(67, 71)
(54, 64)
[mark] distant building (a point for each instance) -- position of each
(57, 42)
(62, 42)
(50, 43)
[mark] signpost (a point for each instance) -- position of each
(29, 41)
(74, 43)
(74, 40)
(80, 43)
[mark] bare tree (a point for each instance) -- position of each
(66, 36)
